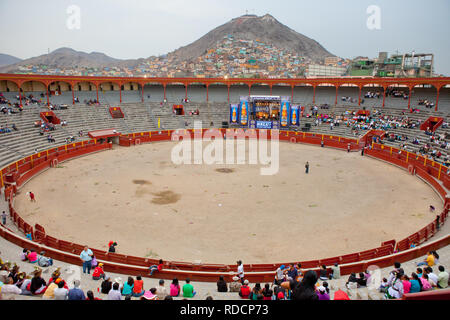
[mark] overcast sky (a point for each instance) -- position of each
(141, 28)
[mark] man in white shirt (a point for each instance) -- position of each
(240, 271)
(9, 290)
(433, 278)
(161, 291)
(114, 293)
(61, 293)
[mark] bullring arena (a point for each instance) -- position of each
(349, 209)
(154, 208)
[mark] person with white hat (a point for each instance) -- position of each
(235, 286)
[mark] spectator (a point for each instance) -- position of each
(43, 261)
(76, 293)
(406, 284)
(323, 293)
(362, 280)
(150, 295)
(335, 272)
(395, 289)
(86, 257)
(340, 295)
(128, 287)
(352, 281)
(61, 293)
(244, 292)
(138, 289)
(24, 255)
(323, 273)
(279, 275)
(256, 291)
(49, 293)
(240, 271)
(114, 293)
(188, 289)
(112, 247)
(38, 285)
(4, 218)
(175, 288)
(292, 273)
(161, 291)
(235, 286)
(222, 285)
(90, 296)
(429, 260)
(432, 277)
(158, 267)
(267, 292)
(442, 278)
(305, 290)
(416, 284)
(32, 256)
(106, 285)
(98, 272)
(9, 290)
(426, 285)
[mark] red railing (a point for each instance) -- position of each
(354, 262)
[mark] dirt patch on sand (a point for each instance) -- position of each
(165, 197)
(141, 182)
(225, 170)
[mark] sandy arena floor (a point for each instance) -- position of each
(153, 208)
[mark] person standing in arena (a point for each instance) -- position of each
(32, 197)
(86, 257)
(240, 270)
(307, 167)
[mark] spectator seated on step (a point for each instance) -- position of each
(44, 261)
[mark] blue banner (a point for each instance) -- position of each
(264, 124)
(295, 116)
(243, 113)
(284, 114)
(234, 113)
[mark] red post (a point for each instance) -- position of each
(270, 89)
(96, 88)
(384, 95)
(335, 100)
(228, 87)
(409, 98)
(292, 93)
(186, 91)
(314, 94)
(249, 90)
(48, 98)
(20, 97)
(164, 85)
(120, 92)
(359, 97)
(437, 100)
(73, 94)
(207, 93)
(142, 93)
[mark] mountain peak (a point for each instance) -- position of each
(251, 27)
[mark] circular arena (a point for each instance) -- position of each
(154, 208)
(354, 210)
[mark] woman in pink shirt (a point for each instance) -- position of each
(425, 284)
(32, 257)
(174, 288)
(406, 284)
